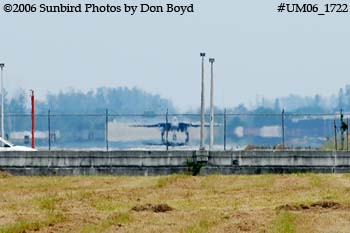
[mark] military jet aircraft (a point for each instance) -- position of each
(174, 127)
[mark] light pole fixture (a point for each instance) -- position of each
(211, 135)
(202, 146)
(2, 65)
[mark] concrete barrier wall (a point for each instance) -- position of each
(169, 162)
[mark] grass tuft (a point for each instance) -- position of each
(48, 202)
(23, 226)
(117, 218)
(284, 222)
(200, 227)
(164, 181)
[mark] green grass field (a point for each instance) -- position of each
(178, 203)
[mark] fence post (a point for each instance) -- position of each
(347, 134)
(225, 129)
(335, 136)
(166, 129)
(341, 129)
(106, 129)
(282, 129)
(49, 127)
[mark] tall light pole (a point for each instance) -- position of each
(211, 139)
(202, 147)
(2, 65)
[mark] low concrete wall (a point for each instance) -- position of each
(169, 162)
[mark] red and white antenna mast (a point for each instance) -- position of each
(33, 117)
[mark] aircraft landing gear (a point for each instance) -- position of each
(162, 135)
(187, 137)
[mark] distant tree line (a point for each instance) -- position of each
(268, 113)
(124, 100)
(117, 100)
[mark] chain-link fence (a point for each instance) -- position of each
(109, 131)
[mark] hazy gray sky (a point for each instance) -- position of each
(258, 51)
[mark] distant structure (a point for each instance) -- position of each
(211, 139)
(25, 136)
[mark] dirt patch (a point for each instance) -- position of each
(247, 226)
(316, 205)
(326, 204)
(246, 221)
(154, 208)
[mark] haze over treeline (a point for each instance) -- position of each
(124, 100)
(119, 100)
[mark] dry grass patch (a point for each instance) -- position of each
(164, 181)
(25, 225)
(216, 203)
(115, 219)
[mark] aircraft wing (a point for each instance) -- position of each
(198, 125)
(158, 125)
(205, 125)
